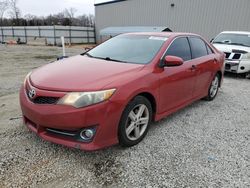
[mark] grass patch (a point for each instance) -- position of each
(46, 57)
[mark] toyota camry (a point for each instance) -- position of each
(111, 94)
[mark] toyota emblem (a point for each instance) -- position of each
(32, 93)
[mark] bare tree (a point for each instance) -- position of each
(91, 18)
(65, 18)
(70, 14)
(87, 20)
(14, 10)
(29, 17)
(3, 8)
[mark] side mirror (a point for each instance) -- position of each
(171, 61)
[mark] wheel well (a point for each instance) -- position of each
(220, 74)
(151, 99)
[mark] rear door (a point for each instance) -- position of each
(203, 61)
(177, 83)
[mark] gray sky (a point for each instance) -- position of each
(46, 7)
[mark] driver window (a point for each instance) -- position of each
(180, 48)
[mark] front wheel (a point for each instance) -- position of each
(135, 121)
(214, 88)
(248, 75)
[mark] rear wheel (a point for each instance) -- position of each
(214, 87)
(135, 121)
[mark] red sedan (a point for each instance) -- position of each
(111, 93)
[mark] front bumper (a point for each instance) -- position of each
(104, 117)
(237, 66)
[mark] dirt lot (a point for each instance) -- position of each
(204, 145)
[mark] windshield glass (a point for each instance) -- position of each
(139, 49)
(233, 39)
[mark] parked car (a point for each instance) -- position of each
(111, 94)
(236, 46)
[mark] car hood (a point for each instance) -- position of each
(230, 48)
(80, 73)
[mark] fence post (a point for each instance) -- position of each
(88, 34)
(94, 32)
(13, 34)
(54, 27)
(70, 41)
(25, 35)
(39, 32)
(2, 34)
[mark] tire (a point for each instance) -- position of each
(242, 75)
(248, 75)
(214, 88)
(135, 121)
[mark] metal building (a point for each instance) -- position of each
(205, 17)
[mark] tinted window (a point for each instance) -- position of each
(180, 48)
(198, 47)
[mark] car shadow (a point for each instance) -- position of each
(234, 75)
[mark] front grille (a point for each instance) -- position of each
(236, 56)
(45, 100)
(227, 55)
(227, 66)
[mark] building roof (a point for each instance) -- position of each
(113, 31)
(107, 2)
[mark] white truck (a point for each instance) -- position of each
(236, 46)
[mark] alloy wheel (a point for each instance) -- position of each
(214, 87)
(137, 122)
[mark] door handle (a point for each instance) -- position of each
(193, 67)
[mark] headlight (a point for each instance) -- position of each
(26, 77)
(82, 99)
(246, 56)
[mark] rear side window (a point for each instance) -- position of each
(198, 47)
(180, 48)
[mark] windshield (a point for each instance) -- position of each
(233, 39)
(138, 49)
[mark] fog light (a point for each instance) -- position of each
(242, 68)
(87, 134)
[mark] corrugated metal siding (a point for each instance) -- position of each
(205, 17)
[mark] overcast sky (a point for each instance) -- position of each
(46, 7)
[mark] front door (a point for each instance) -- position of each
(177, 83)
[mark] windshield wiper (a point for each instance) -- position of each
(111, 59)
(106, 58)
(230, 43)
(87, 54)
(241, 44)
(218, 42)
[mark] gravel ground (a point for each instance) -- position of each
(207, 144)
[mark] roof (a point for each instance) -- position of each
(113, 31)
(237, 32)
(108, 2)
(163, 34)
